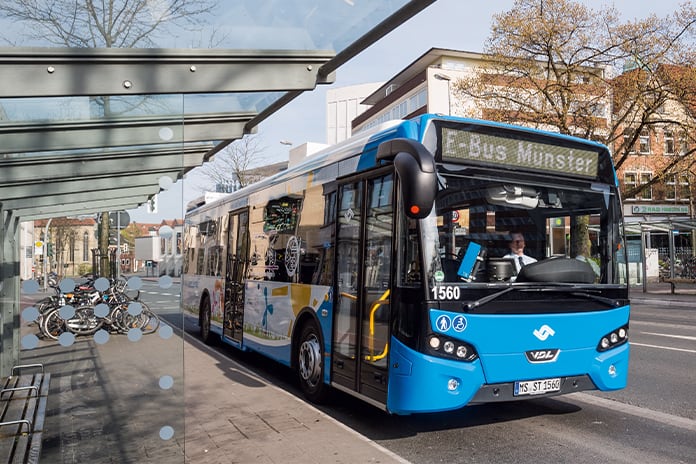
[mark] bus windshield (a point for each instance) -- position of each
(496, 230)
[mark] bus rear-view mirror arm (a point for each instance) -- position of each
(415, 166)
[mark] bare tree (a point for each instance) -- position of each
(232, 166)
(103, 23)
(563, 66)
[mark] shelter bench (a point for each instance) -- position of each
(22, 412)
(673, 282)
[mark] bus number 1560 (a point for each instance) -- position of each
(446, 292)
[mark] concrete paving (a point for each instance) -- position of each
(251, 421)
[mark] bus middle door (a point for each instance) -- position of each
(364, 251)
(237, 252)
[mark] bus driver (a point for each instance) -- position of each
(516, 245)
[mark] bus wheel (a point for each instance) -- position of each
(310, 364)
(204, 322)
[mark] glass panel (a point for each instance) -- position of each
(250, 24)
(106, 327)
(348, 264)
(476, 222)
(41, 109)
(378, 246)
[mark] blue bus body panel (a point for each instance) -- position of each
(406, 129)
(418, 383)
(501, 342)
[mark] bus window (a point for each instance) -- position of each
(410, 269)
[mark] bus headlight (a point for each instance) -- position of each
(445, 347)
(462, 352)
(613, 339)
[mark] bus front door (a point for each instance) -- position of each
(363, 253)
(237, 243)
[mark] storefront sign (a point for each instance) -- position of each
(659, 209)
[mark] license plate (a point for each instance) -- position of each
(537, 387)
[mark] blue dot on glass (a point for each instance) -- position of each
(29, 342)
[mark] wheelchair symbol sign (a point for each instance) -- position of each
(459, 323)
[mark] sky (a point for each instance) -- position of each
(453, 24)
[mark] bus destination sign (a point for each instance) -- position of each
(460, 145)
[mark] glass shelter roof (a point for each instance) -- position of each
(95, 112)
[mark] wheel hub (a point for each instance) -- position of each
(310, 360)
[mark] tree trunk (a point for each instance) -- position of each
(104, 268)
(580, 236)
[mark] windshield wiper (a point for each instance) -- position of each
(565, 288)
(487, 299)
(601, 299)
(575, 291)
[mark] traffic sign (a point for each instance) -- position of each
(119, 218)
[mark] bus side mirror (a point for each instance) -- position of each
(415, 166)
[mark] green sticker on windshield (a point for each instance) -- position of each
(439, 276)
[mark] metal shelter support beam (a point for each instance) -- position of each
(79, 199)
(116, 184)
(73, 167)
(28, 138)
(117, 71)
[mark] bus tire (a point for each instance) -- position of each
(310, 363)
(204, 322)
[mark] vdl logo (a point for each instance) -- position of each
(539, 356)
(543, 332)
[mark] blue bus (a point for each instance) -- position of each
(381, 267)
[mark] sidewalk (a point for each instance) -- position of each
(660, 293)
(251, 421)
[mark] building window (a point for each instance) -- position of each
(684, 187)
(646, 193)
(644, 143)
(630, 181)
(71, 253)
(670, 188)
(683, 145)
(627, 136)
(669, 142)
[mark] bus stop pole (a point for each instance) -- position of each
(671, 253)
(644, 265)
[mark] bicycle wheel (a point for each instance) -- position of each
(153, 321)
(85, 322)
(52, 324)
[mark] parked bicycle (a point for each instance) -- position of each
(94, 305)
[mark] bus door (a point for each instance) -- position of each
(237, 248)
(363, 256)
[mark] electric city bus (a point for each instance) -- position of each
(378, 267)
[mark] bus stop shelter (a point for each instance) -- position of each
(90, 126)
(640, 231)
